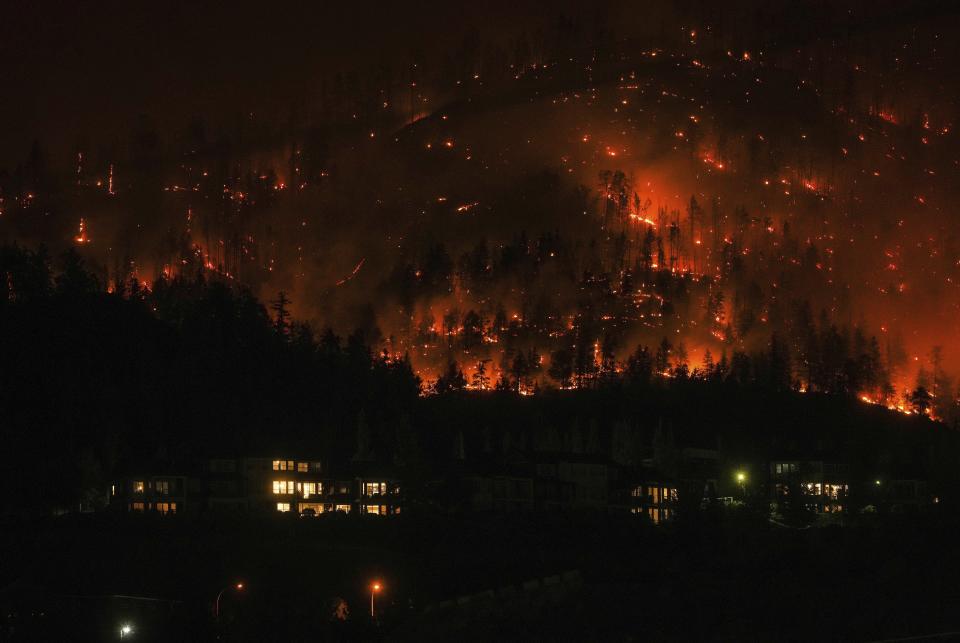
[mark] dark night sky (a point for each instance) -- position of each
(90, 70)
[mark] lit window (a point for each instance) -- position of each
(165, 508)
(375, 510)
(283, 487)
(374, 488)
(276, 465)
(315, 507)
(283, 465)
(163, 487)
(636, 492)
(343, 508)
(113, 490)
(138, 486)
(309, 489)
(136, 506)
(283, 507)
(302, 467)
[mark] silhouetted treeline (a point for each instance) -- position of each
(92, 380)
(170, 374)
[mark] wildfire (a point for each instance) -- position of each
(82, 237)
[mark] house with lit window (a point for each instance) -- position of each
(301, 486)
(644, 491)
(159, 494)
(819, 486)
(306, 488)
(286, 485)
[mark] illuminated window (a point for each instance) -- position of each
(163, 487)
(376, 510)
(166, 508)
(136, 506)
(343, 508)
(315, 507)
(374, 488)
(284, 487)
(302, 467)
(312, 489)
(283, 507)
(138, 486)
(283, 465)
(835, 491)
(636, 492)
(655, 495)
(113, 490)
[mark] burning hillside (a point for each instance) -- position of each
(564, 214)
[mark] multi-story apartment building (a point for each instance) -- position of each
(820, 486)
(301, 486)
(308, 486)
(163, 494)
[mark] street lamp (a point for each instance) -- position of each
(742, 480)
(216, 604)
(125, 630)
(376, 587)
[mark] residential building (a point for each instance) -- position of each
(820, 486)
(139, 493)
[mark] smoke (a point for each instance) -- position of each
(822, 173)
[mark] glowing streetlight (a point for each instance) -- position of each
(374, 588)
(216, 604)
(741, 478)
(126, 630)
(876, 482)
